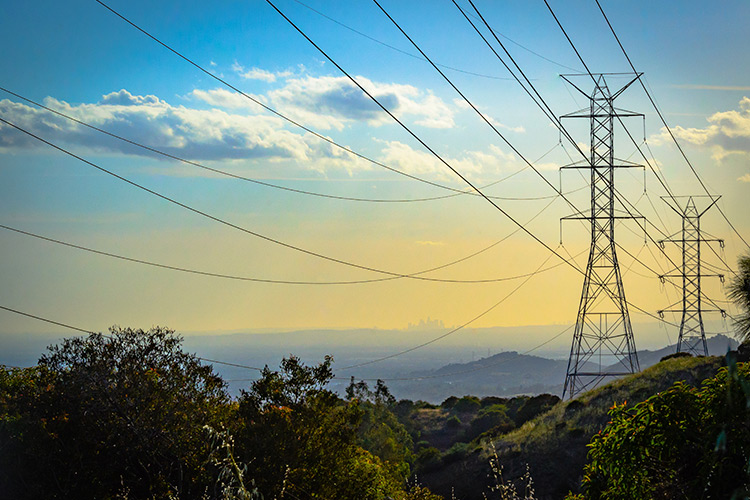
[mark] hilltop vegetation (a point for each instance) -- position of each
(132, 416)
(554, 445)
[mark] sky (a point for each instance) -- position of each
(81, 59)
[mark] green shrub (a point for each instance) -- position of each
(456, 452)
(490, 418)
(492, 400)
(453, 422)
(681, 443)
(675, 355)
(105, 414)
(467, 404)
(449, 403)
(428, 459)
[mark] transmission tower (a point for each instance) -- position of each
(603, 344)
(692, 334)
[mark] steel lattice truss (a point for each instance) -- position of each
(692, 333)
(603, 344)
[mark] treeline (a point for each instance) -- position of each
(131, 415)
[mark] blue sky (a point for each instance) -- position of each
(79, 58)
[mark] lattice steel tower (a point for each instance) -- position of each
(692, 334)
(603, 344)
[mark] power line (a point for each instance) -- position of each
(414, 56)
(83, 330)
(268, 108)
(454, 330)
(33, 316)
(543, 106)
(495, 32)
(484, 118)
(238, 365)
(396, 49)
(663, 182)
(462, 372)
(484, 366)
(387, 111)
(124, 179)
(206, 214)
(664, 122)
(418, 139)
(289, 282)
(276, 186)
(545, 109)
(479, 113)
(255, 368)
(624, 200)
(302, 126)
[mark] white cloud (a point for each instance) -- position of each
(125, 98)
(328, 102)
(235, 128)
(744, 178)
(477, 165)
(259, 74)
(728, 132)
(333, 102)
(196, 134)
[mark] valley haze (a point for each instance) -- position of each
(517, 361)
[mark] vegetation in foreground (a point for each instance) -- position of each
(133, 416)
(130, 415)
(684, 442)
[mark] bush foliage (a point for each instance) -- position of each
(684, 442)
(131, 415)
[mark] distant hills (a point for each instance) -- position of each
(510, 373)
(451, 367)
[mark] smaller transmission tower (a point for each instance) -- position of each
(603, 344)
(692, 333)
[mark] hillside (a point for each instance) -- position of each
(510, 373)
(554, 444)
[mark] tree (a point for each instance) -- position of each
(739, 292)
(380, 431)
(298, 437)
(106, 415)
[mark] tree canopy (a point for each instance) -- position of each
(739, 292)
(105, 415)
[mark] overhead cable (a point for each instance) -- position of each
(664, 122)
(486, 120)
(663, 182)
(271, 110)
(203, 213)
(418, 139)
(276, 186)
(416, 275)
